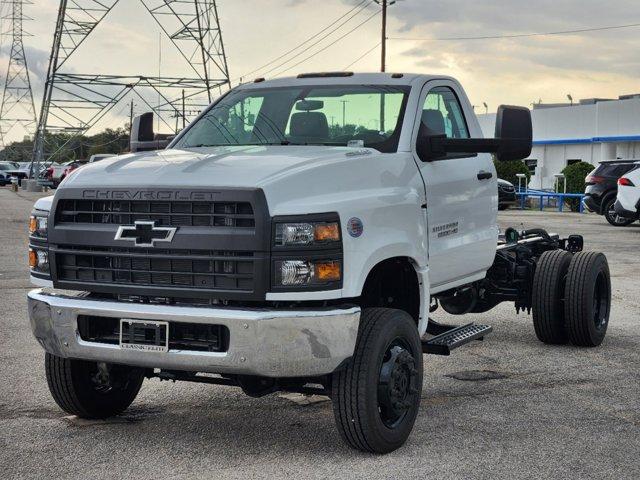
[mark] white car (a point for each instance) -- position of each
(628, 200)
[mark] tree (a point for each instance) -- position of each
(575, 174)
(508, 170)
(63, 147)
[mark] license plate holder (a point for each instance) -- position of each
(144, 335)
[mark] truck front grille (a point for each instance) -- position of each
(219, 250)
(193, 269)
(169, 213)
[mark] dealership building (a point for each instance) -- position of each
(592, 130)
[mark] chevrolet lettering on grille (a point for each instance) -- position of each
(145, 233)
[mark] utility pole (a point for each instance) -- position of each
(344, 111)
(383, 52)
(383, 40)
(17, 98)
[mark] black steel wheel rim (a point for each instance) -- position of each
(116, 379)
(601, 301)
(397, 382)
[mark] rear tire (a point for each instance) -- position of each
(547, 296)
(612, 217)
(377, 396)
(588, 299)
(77, 389)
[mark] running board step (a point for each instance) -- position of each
(455, 337)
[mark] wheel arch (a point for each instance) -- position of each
(612, 193)
(398, 282)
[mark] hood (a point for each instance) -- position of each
(249, 166)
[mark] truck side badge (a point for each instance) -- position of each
(355, 227)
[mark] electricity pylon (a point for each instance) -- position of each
(17, 98)
(74, 102)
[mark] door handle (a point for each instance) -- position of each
(482, 175)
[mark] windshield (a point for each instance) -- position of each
(346, 115)
(6, 166)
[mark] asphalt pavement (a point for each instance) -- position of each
(507, 407)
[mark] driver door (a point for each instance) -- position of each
(461, 192)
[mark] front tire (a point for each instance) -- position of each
(377, 396)
(612, 217)
(84, 389)
(588, 299)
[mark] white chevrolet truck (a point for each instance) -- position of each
(296, 237)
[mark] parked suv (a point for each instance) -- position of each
(602, 188)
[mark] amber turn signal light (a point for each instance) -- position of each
(33, 258)
(328, 271)
(33, 225)
(328, 232)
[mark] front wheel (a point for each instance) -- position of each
(91, 389)
(612, 217)
(377, 396)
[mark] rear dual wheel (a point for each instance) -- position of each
(588, 299)
(571, 298)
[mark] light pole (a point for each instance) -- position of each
(486, 107)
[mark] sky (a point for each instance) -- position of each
(516, 71)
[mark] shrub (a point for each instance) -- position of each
(574, 175)
(508, 170)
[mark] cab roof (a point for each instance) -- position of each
(344, 78)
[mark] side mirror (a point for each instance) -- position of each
(143, 139)
(515, 132)
(513, 139)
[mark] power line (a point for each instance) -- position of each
(304, 42)
(330, 44)
(362, 8)
(362, 56)
(522, 35)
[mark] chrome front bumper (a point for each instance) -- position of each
(271, 343)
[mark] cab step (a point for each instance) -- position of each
(452, 337)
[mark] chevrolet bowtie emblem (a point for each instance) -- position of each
(145, 233)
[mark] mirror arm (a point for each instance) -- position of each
(466, 145)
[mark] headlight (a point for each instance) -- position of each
(290, 273)
(39, 260)
(307, 252)
(306, 234)
(38, 226)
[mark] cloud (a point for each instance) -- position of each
(518, 71)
